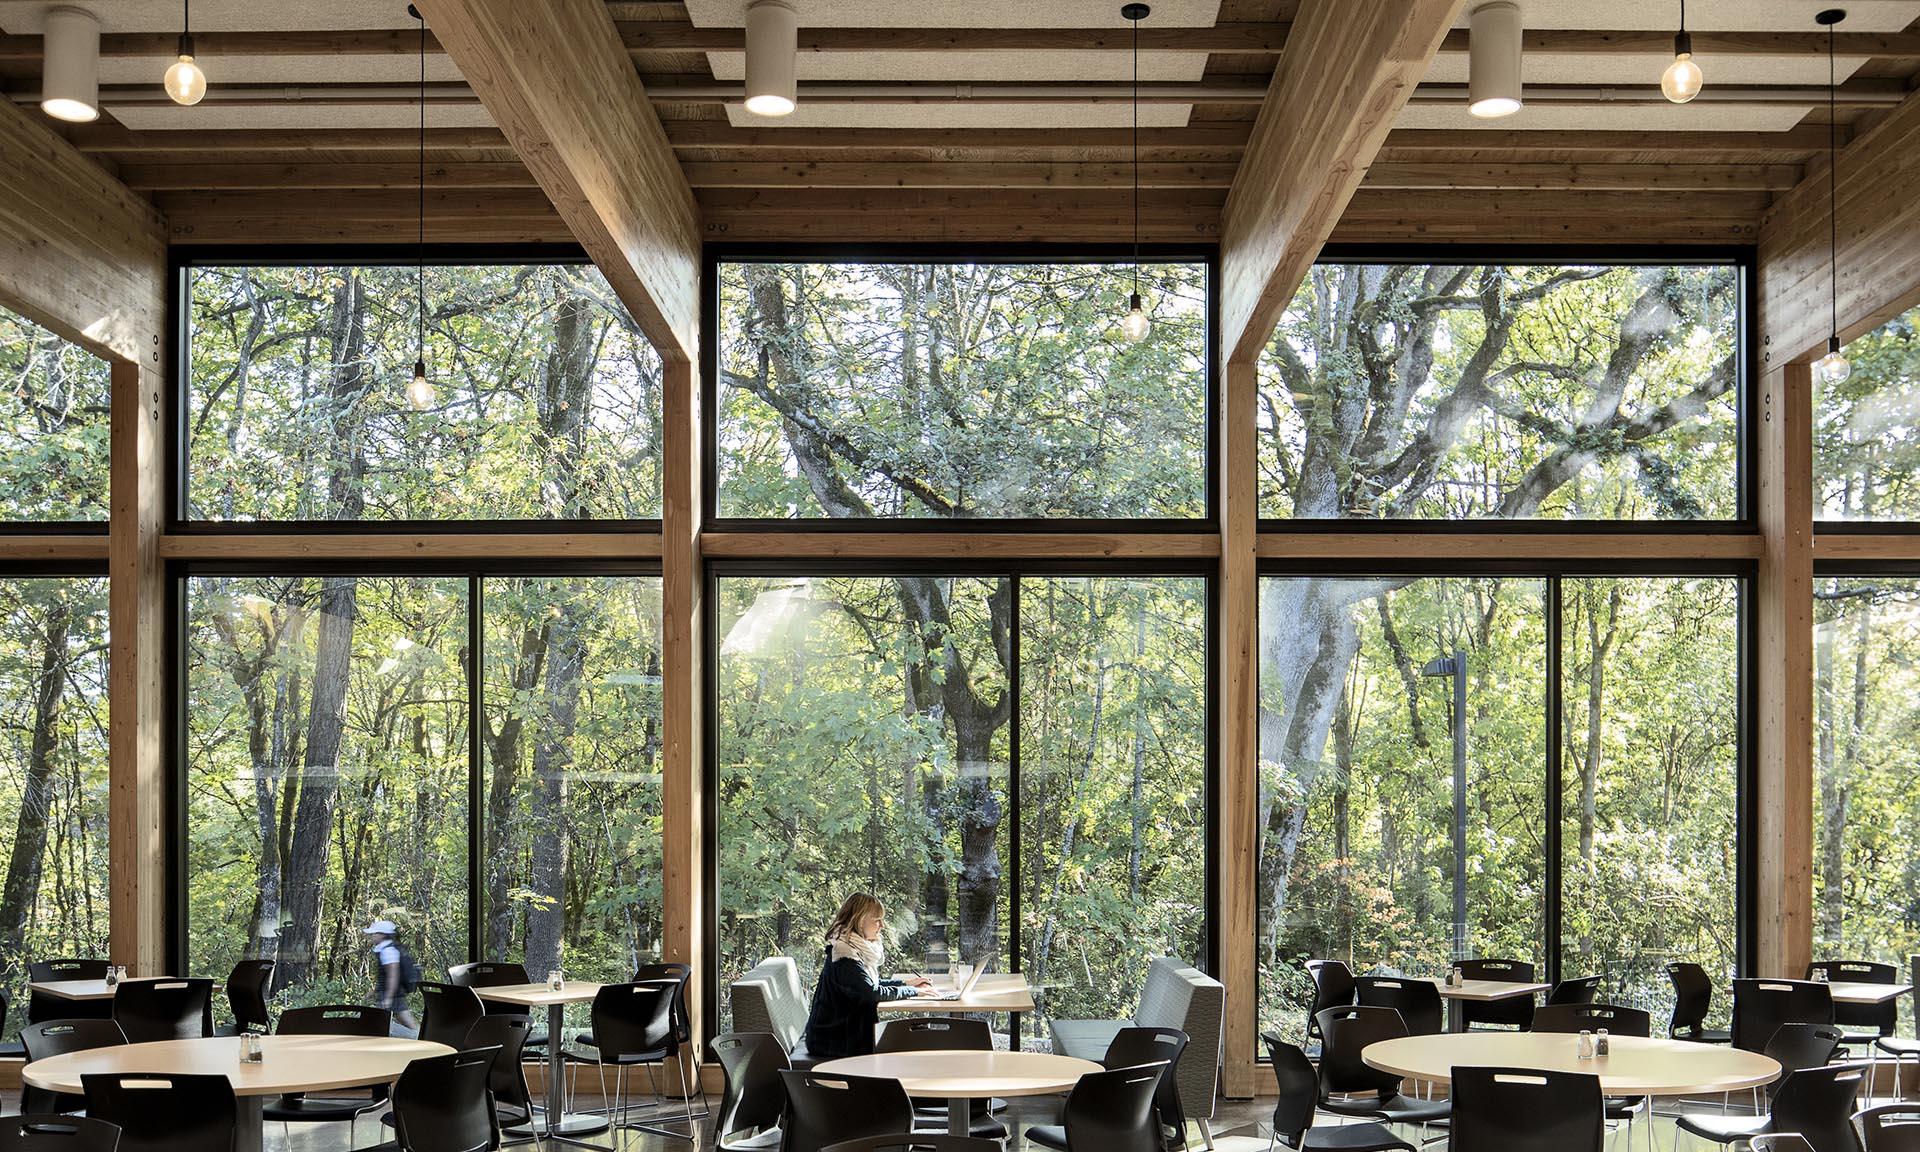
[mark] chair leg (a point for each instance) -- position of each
(1206, 1134)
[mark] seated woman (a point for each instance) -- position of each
(845, 1013)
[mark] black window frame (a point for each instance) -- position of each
(182, 260)
(716, 254)
(1206, 570)
(1742, 258)
(179, 574)
(1551, 572)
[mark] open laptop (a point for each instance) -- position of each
(964, 990)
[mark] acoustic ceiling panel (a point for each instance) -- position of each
(1661, 117)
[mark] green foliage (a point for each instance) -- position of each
(1866, 433)
(53, 426)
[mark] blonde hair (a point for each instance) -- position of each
(857, 907)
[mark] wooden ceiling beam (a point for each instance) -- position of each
(1626, 177)
(1795, 140)
(949, 175)
(556, 79)
(226, 177)
(1571, 42)
(1347, 73)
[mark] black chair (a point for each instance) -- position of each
(1761, 1006)
(918, 1142)
(1348, 1087)
(330, 1020)
(1515, 1011)
(165, 1111)
(166, 1009)
(1332, 988)
(498, 974)
(1798, 1046)
(1579, 990)
(507, 1081)
(53, 1038)
(441, 1103)
(8, 1048)
(635, 1027)
(42, 1133)
(1692, 1000)
(936, 1034)
(247, 997)
(41, 1006)
(1299, 1099)
(449, 1012)
(752, 1097)
(1864, 1023)
(1889, 1128)
(1817, 1103)
(1417, 1001)
(1132, 1047)
(1112, 1111)
(829, 1109)
(1525, 1110)
(1618, 1021)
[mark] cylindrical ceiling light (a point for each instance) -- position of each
(1493, 78)
(70, 71)
(773, 51)
(1683, 79)
(185, 82)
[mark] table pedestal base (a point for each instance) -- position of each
(249, 1115)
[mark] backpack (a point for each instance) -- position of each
(409, 971)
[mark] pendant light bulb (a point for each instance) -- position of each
(420, 389)
(1135, 323)
(1833, 367)
(773, 54)
(186, 83)
(1683, 79)
(1494, 53)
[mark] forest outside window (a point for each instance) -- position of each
(1866, 431)
(1505, 391)
(1360, 681)
(53, 428)
(53, 774)
(959, 391)
(867, 743)
(546, 402)
(330, 767)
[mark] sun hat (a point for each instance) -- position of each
(379, 927)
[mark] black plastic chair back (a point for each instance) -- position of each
(1332, 988)
(336, 1020)
(1417, 1001)
(752, 1096)
(150, 1010)
(1692, 999)
(828, 1109)
(1616, 1020)
(1883, 1017)
(1526, 1110)
(1580, 990)
(43, 1007)
(1516, 1010)
(679, 974)
(1890, 1128)
(247, 995)
(54, 1038)
(1112, 1111)
(507, 1081)
(43, 1133)
(918, 1142)
(440, 1103)
(935, 1034)
(491, 974)
(1345, 1033)
(1818, 1104)
(1760, 1007)
(1299, 1090)
(165, 1112)
(450, 1013)
(1798, 1046)
(635, 1021)
(1133, 1046)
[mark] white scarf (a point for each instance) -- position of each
(869, 954)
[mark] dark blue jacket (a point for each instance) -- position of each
(845, 1012)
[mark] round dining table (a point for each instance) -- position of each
(963, 1077)
(288, 1064)
(1634, 1066)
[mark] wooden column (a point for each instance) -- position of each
(683, 688)
(1782, 884)
(1239, 705)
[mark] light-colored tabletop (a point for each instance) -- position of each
(539, 995)
(83, 989)
(968, 1075)
(290, 1064)
(1846, 993)
(1634, 1066)
(995, 992)
(1487, 991)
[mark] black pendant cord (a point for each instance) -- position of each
(186, 27)
(1833, 197)
(420, 272)
(1136, 155)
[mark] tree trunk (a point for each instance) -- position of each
(24, 861)
(552, 758)
(1833, 837)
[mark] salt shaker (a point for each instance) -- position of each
(113, 975)
(556, 980)
(250, 1049)
(1600, 1043)
(1585, 1049)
